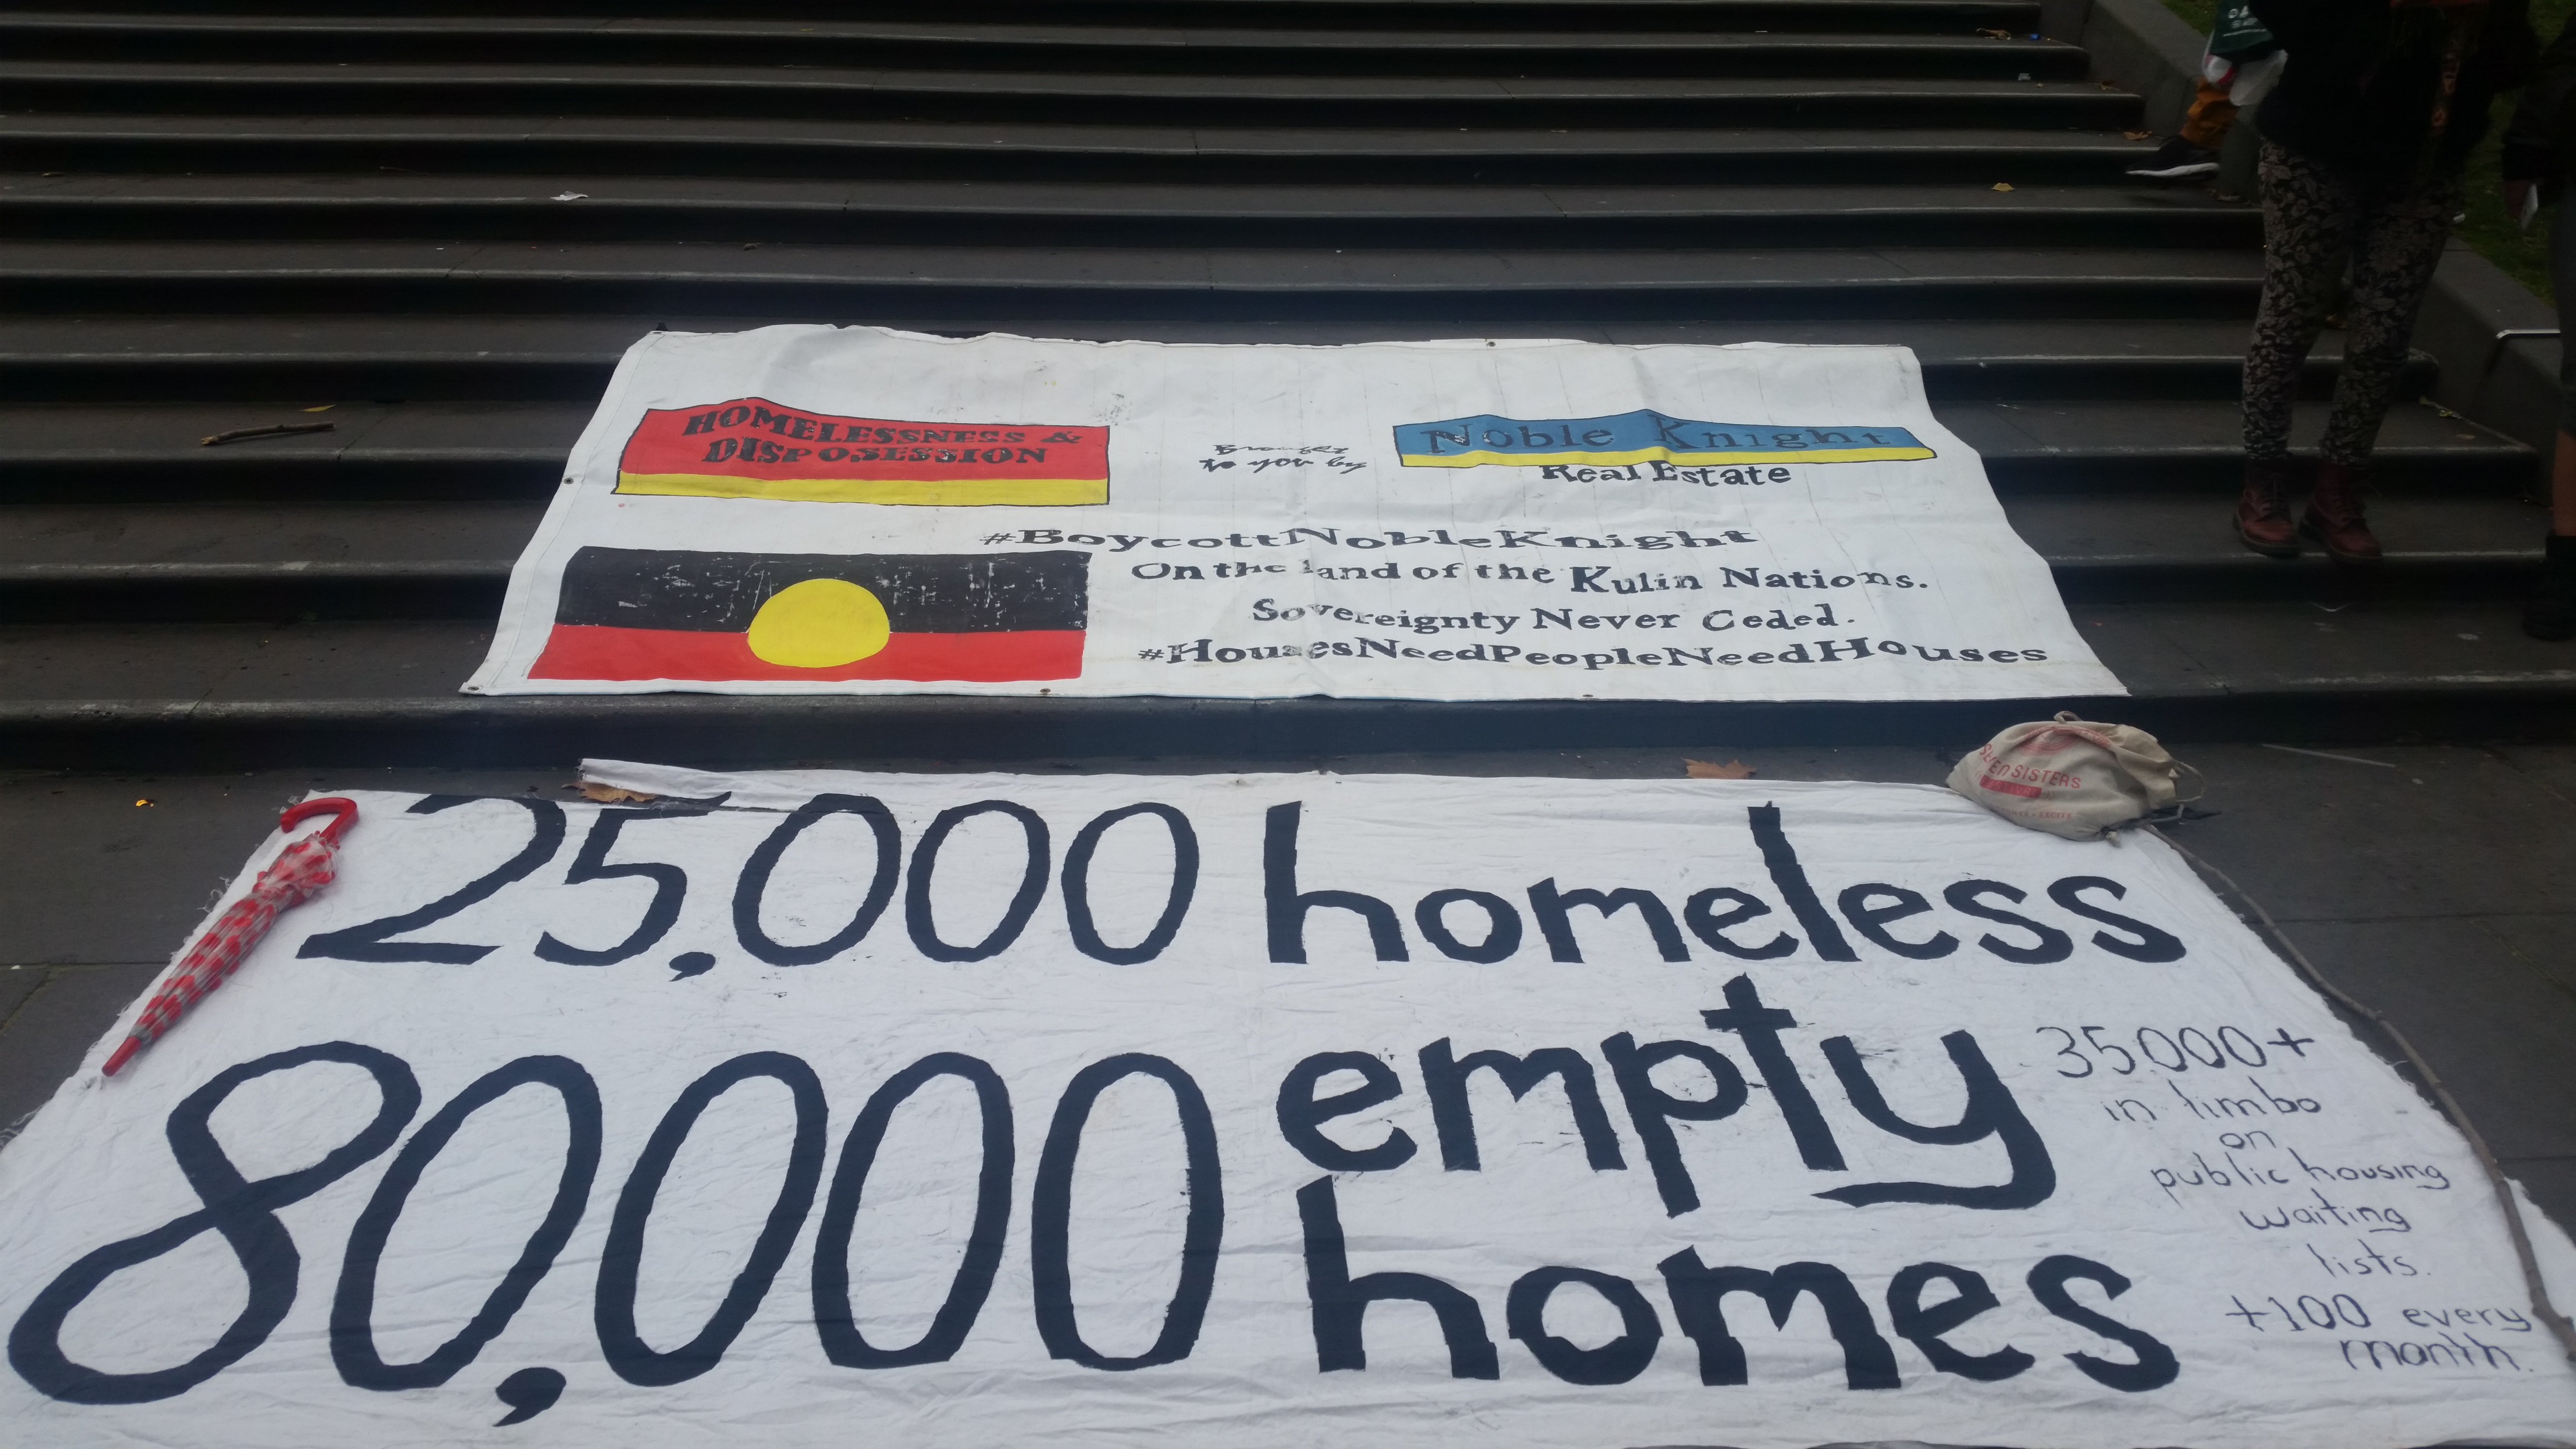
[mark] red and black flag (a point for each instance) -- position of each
(635, 614)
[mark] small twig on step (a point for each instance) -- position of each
(237, 434)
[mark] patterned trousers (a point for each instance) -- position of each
(2317, 225)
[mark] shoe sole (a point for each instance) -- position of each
(2177, 173)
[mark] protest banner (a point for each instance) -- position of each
(805, 509)
(1258, 1111)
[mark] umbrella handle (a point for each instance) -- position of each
(343, 810)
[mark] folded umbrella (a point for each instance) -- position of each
(304, 867)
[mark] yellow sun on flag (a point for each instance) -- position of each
(819, 624)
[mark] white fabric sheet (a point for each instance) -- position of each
(1446, 520)
(2311, 1259)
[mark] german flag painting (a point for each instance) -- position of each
(645, 614)
(753, 448)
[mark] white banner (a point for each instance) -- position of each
(802, 510)
(1273, 1110)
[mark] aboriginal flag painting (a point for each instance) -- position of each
(642, 614)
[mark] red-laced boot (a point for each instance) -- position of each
(2262, 518)
(2334, 516)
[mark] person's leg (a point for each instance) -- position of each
(2395, 248)
(2194, 150)
(2550, 612)
(2308, 218)
(2562, 482)
(2205, 124)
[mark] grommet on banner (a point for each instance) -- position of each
(304, 867)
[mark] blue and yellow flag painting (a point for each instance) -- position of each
(1643, 436)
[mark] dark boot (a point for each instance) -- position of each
(2550, 612)
(2334, 515)
(2262, 518)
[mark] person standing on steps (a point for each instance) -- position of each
(2364, 142)
(2540, 151)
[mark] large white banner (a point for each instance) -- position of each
(1276, 1110)
(857, 511)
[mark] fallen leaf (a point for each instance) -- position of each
(326, 407)
(140, 803)
(1709, 770)
(2137, 135)
(609, 794)
(2003, 186)
(1995, 34)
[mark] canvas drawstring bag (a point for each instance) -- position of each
(2073, 777)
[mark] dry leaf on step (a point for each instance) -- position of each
(610, 794)
(1711, 770)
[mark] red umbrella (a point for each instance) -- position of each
(301, 869)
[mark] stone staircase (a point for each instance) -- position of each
(443, 226)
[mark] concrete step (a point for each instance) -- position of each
(389, 559)
(415, 357)
(969, 45)
(374, 451)
(841, 150)
(645, 209)
(2087, 447)
(838, 283)
(515, 450)
(89, 563)
(219, 695)
(2113, 547)
(877, 94)
(1952, 16)
(304, 215)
